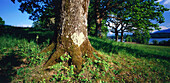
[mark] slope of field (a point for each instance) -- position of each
(20, 61)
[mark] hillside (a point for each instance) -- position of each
(123, 62)
(163, 31)
(161, 34)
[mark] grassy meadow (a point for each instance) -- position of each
(20, 60)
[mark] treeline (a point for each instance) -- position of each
(163, 42)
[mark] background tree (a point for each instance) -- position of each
(99, 11)
(142, 16)
(95, 26)
(36, 24)
(114, 24)
(138, 14)
(140, 36)
(2, 22)
(47, 23)
(125, 27)
(70, 31)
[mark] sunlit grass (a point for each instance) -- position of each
(138, 50)
(123, 62)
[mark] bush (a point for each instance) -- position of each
(163, 42)
(155, 42)
(128, 39)
(141, 36)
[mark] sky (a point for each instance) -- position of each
(12, 16)
(166, 24)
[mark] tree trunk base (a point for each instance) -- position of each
(76, 53)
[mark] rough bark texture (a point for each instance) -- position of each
(70, 35)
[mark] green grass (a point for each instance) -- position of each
(123, 62)
(138, 50)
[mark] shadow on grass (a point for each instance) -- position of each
(109, 47)
(7, 67)
(27, 33)
(11, 61)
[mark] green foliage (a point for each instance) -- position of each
(92, 17)
(138, 50)
(163, 42)
(90, 69)
(27, 50)
(155, 42)
(121, 62)
(92, 21)
(20, 55)
(141, 36)
(104, 27)
(128, 39)
(36, 24)
(138, 14)
(42, 14)
(1, 21)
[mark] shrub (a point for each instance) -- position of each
(141, 36)
(163, 42)
(155, 42)
(128, 39)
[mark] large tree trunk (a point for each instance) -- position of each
(70, 35)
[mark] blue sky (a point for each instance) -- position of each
(166, 24)
(12, 16)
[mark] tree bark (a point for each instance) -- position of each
(98, 19)
(122, 31)
(116, 35)
(98, 27)
(89, 27)
(70, 34)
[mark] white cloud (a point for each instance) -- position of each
(166, 2)
(23, 25)
(159, 0)
(162, 28)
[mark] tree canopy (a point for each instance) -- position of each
(134, 13)
(41, 11)
(138, 15)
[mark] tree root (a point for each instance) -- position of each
(49, 48)
(74, 51)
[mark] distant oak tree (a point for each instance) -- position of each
(136, 15)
